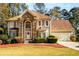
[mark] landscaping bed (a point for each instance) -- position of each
(31, 44)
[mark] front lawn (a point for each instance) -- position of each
(30, 50)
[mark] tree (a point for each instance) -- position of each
(40, 7)
(65, 14)
(12, 9)
(55, 12)
(3, 14)
(74, 19)
(16, 8)
(74, 16)
(8, 10)
(21, 8)
(4, 10)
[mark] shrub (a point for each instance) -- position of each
(73, 38)
(13, 41)
(4, 38)
(77, 38)
(9, 41)
(77, 35)
(51, 39)
(38, 40)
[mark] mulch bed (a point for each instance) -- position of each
(32, 44)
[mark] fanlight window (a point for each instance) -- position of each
(28, 25)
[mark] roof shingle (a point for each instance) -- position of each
(59, 25)
(33, 13)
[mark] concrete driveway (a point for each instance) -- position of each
(73, 45)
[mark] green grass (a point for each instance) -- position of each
(37, 51)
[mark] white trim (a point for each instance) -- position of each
(22, 30)
(8, 28)
(40, 23)
(28, 31)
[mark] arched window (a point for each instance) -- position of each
(46, 23)
(28, 25)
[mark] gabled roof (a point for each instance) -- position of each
(33, 13)
(13, 18)
(59, 25)
(39, 15)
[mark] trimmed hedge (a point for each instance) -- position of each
(38, 40)
(13, 41)
(51, 39)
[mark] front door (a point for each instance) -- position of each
(27, 30)
(28, 35)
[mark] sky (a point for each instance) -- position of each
(67, 6)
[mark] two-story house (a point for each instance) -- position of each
(30, 24)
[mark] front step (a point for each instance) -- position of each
(26, 41)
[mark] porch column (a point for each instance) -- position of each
(8, 27)
(22, 30)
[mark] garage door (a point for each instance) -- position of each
(64, 37)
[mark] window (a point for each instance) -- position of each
(28, 25)
(44, 35)
(13, 32)
(46, 23)
(39, 23)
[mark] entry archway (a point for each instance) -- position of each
(27, 30)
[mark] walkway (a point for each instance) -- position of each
(73, 45)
